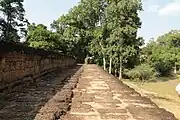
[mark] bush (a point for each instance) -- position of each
(163, 68)
(143, 72)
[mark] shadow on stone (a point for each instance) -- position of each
(24, 103)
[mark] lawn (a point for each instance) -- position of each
(162, 93)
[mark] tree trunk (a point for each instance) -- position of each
(86, 60)
(115, 72)
(104, 63)
(120, 69)
(110, 66)
(175, 69)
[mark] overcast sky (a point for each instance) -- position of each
(158, 17)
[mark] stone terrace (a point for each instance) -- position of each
(79, 93)
(26, 103)
(100, 96)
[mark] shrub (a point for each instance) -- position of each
(163, 68)
(143, 72)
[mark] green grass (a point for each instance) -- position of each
(164, 79)
(162, 93)
(163, 88)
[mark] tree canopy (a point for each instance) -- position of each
(164, 53)
(105, 30)
(13, 20)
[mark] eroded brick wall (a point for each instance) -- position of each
(17, 67)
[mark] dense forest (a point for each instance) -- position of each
(105, 30)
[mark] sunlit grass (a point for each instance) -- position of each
(162, 93)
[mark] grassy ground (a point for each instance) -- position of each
(162, 93)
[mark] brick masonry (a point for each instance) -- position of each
(21, 67)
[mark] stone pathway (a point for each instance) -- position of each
(81, 93)
(100, 96)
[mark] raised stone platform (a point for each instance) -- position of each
(46, 99)
(80, 93)
(100, 96)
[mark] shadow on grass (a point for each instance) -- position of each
(152, 96)
(165, 79)
(159, 97)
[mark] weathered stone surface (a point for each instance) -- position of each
(110, 110)
(100, 96)
(114, 117)
(146, 113)
(57, 96)
(44, 100)
(17, 65)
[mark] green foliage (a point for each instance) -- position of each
(143, 72)
(105, 29)
(76, 27)
(116, 35)
(164, 54)
(13, 21)
(39, 37)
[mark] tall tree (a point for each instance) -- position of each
(164, 53)
(77, 27)
(39, 37)
(123, 20)
(14, 20)
(105, 29)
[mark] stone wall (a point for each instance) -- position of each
(20, 64)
